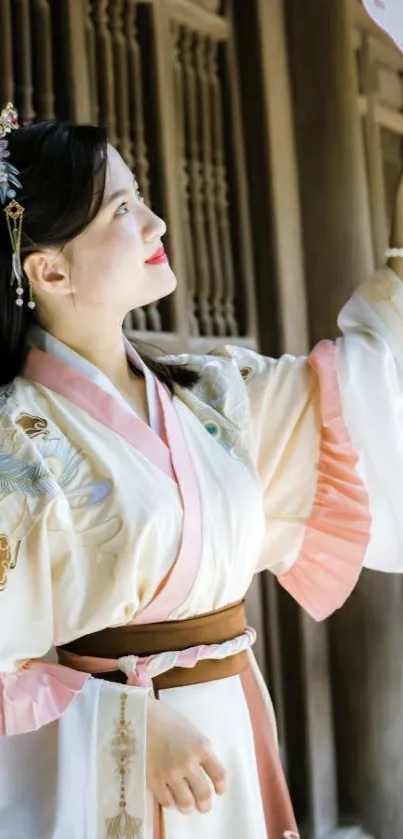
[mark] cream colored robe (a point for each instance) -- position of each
(292, 465)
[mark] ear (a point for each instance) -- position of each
(48, 273)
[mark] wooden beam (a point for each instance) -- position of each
(385, 52)
(387, 118)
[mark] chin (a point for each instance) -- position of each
(162, 282)
(158, 282)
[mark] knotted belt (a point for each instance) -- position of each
(167, 655)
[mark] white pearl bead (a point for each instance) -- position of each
(394, 253)
(19, 302)
(31, 304)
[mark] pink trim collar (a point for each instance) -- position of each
(173, 458)
(52, 373)
(182, 575)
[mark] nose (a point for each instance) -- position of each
(154, 227)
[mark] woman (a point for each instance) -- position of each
(137, 500)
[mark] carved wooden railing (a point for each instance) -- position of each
(204, 186)
(26, 57)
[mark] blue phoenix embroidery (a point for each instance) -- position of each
(60, 449)
(16, 475)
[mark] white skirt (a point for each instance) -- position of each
(63, 782)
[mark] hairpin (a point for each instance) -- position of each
(14, 212)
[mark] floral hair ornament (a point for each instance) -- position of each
(9, 185)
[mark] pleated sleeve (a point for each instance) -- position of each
(327, 439)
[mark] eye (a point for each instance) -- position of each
(137, 193)
(123, 209)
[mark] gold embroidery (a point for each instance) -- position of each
(123, 826)
(246, 373)
(7, 561)
(33, 426)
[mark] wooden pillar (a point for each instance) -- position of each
(288, 247)
(320, 223)
(336, 226)
(337, 244)
(285, 222)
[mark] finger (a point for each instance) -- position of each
(162, 795)
(216, 772)
(201, 789)
(183, 796)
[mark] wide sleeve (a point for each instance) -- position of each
(327, 439)
(32, 692)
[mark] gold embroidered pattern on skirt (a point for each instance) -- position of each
(7, 561)
(123, 747)
(33, 426)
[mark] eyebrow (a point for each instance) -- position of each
(120, 193)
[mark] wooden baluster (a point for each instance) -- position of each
(92, 61)
(184, 185)
(23, 60)
(188, 43)
(116, 8)
(204, 49)
(135, 97)
(42, 59)
(6, 54)
(140, 317)
(221, 192)
(104, 63)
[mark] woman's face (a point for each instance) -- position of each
(119, 262)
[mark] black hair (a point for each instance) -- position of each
(62, 170)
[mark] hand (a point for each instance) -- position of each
(180, 762)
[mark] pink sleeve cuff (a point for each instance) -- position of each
(338, 529)
(36, 695)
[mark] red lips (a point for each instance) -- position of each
(158, 258)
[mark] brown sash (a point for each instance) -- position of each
(151, 639)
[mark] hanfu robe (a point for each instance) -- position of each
(293, 465)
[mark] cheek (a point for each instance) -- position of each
(108, 263)
(121, 246)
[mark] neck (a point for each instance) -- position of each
(105, 349)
